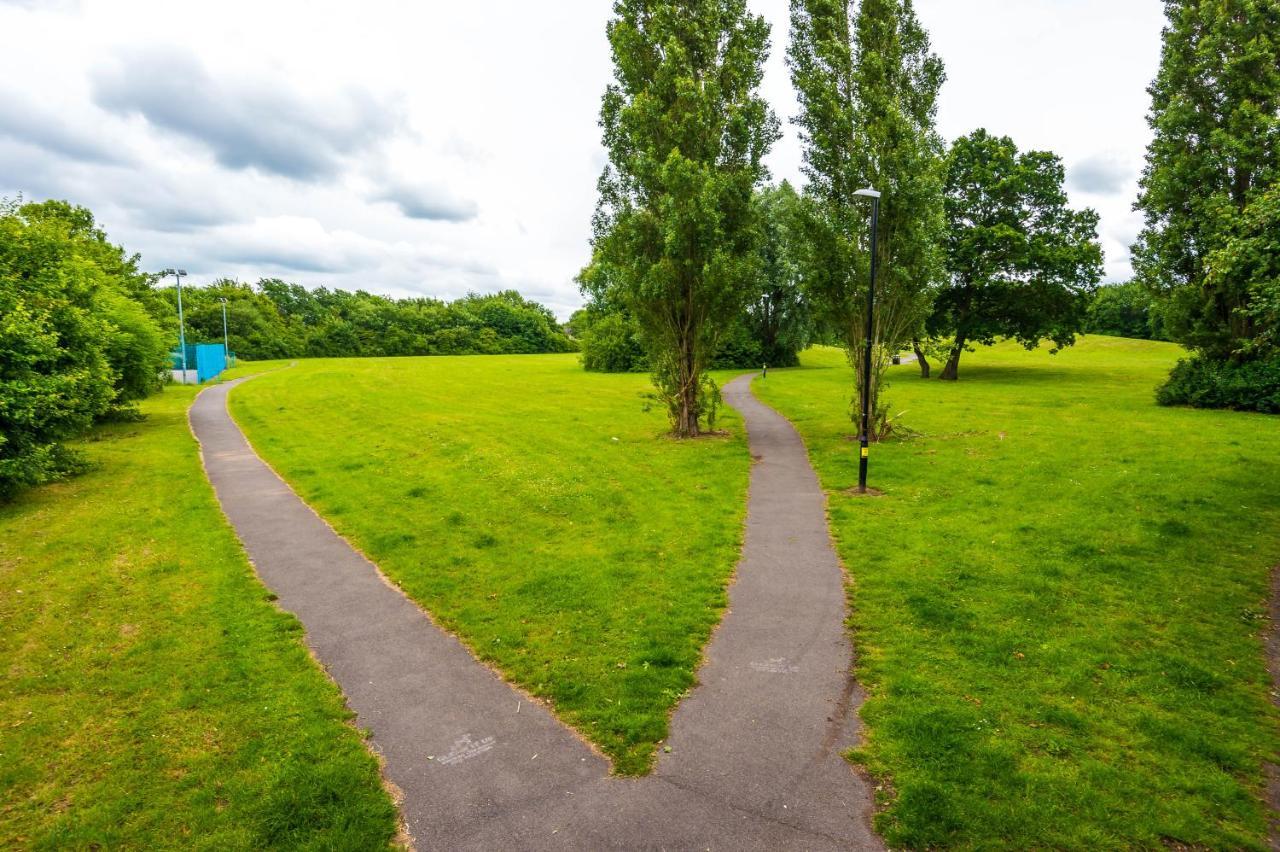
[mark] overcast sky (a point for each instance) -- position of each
(435, 148)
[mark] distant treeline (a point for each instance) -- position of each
(276, 319)
(85, 333)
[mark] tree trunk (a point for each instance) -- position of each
(686, 425)
(951, 370)
(920, 359)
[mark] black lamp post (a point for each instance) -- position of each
(865, 437)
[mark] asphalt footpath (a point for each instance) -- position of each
(754, 758)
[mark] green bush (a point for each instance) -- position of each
(135, 347)
(1205, 383)
(739, 349)
(74, 345)
(611, 344)
(1125, 310)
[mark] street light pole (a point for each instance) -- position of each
(226, 347)
(182, 327)
(865, 438)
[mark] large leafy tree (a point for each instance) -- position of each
(1020, 262)
(1215, 104)
(868, 87)
(75, 342)
(1248, 266)
(676, 227)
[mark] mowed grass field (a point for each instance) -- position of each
(151, 694)
(1057, 602)
(536, 510)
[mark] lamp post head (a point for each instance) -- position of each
(868, 193)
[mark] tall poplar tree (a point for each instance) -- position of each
(1215, 104)
(868, 87)
(676, 228)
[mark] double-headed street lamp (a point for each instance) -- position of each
(864, 438)
(182, 329)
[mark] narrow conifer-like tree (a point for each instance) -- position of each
(868, 86)
(676, 229)
(1215, 114)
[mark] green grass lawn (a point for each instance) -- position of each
(534, 509)
(152, 696)
(1057, 601)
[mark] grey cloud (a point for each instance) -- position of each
(284, 260)
(430, 203)
(174, 214)
(24, 122)
(268, 129)
(1101, 174)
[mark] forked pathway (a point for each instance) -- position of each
(755, 760)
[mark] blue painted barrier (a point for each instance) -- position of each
(206, 360)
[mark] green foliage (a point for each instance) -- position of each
(1207, 383)
(257, 330)
(868, 87)
(154, 697)
(1021, 264)
(676, 228)
(1215, 113)
(1125, 310)
(772, 329)
(277, 319)
(527, 505)
(1057, 603)
(1249, 267)
(612, 344)
(135, 345)
(741, 349)
(777, 319)
(74, 345)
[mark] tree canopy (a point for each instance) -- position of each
(1215, 151)
(868, 84)
(676, 227)
(1020, 262)
(76, 342)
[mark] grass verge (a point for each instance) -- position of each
(1057, 603)
(534, 509)
(153, 696)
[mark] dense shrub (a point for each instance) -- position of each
(740, 349)
(611, 344)
(1209, 383)
(74, 345)
(1125, 310)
